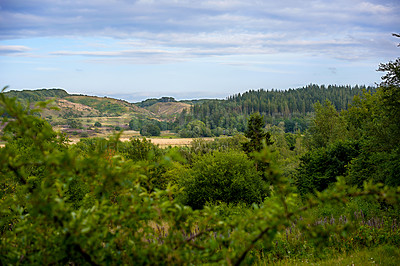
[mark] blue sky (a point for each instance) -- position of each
(191, 49)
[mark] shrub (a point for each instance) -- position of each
(84, 134)
(320, 167)
(72, 123)
(150, 130)
(195, 129)
(228, 177)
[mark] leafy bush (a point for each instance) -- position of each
(195, 129)
(84, 134)
(150, 130)
(73, 123)
(139, 150)
(320, 167)
(228, 177)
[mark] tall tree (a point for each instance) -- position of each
(327, 126)
(256, 133)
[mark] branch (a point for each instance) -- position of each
(86, 256)
(396, 35)
(243, 256)
(198, 234)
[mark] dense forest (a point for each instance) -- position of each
(327, 193)
(293, 107)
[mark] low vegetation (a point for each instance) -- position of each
(326, 195)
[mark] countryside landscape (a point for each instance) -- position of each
(257, 178)
(199, 132)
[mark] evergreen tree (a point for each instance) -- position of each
(256, 133)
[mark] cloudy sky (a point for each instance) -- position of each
(136, 49)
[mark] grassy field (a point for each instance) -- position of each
(162, 142)
(384, 255)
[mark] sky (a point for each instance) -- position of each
(192, 49)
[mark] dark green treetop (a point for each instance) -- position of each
(256, 133)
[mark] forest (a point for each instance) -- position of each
(293, 107)
(306, 176)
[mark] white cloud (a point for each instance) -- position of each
(374, 8)
(13, 49)
(206, 28)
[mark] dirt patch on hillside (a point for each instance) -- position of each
(168, 108)
(62, 103)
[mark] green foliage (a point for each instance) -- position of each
(71, 114)
(91, 203)
(373, 120)
(319, 168)
(382, 167)
(135, 149)
(201, 146)
(392, 76)
(73, 123)
(195, 129)
(150, 130)
(36, 95)
(256, 133)
(140, 149)
(138, 124)
(87, 146)
(228, 177)
(380, 255)
(97, 124)
(293, 107)
(327, 126)
(84, 134)
(152, 101)
(291, 140)
(105, 105)
(134, 124)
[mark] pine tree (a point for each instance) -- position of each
(256, 133)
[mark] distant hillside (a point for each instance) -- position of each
(106, 106)
(36, 95)
(168, 109)
(291, 108)
(75, 106)
(152, 101)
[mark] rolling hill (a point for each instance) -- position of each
(74, 106)
(76, 115)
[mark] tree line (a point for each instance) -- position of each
(293, 107)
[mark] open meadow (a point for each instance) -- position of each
(162, 142)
